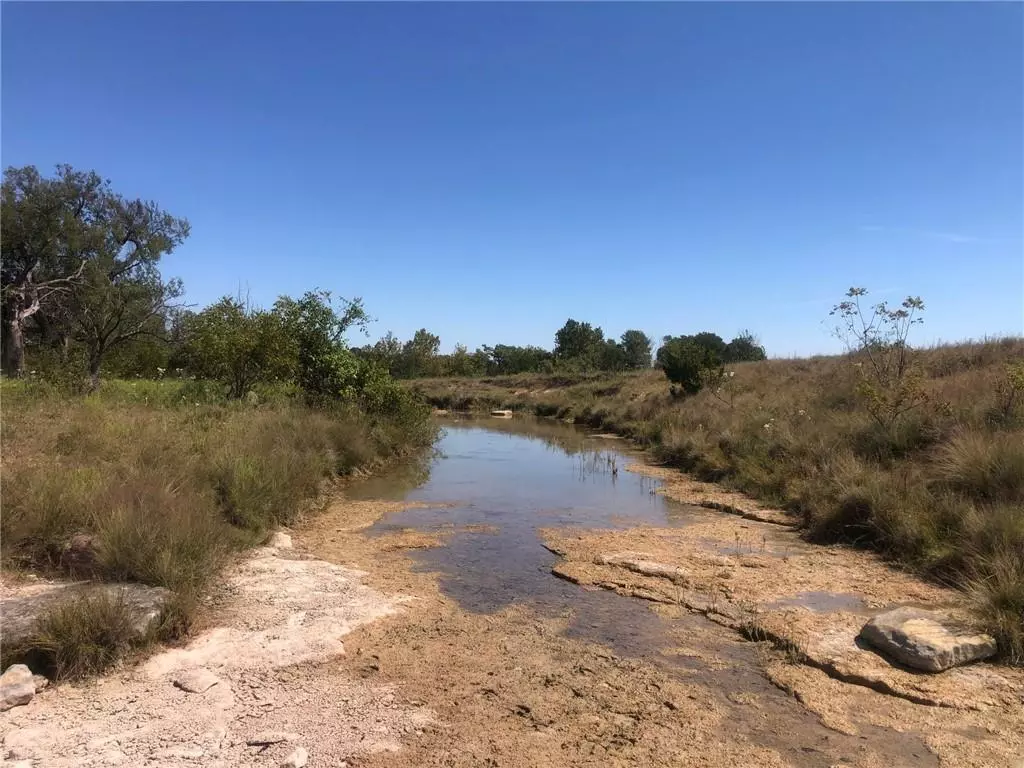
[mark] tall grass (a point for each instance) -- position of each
(940, 490)
(162, 489)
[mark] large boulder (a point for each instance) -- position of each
(19, 614)
(17, 686)
(928, 640)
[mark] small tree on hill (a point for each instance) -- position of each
(685, 364)
(876, 336)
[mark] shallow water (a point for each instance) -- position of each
(512, 477)
(517, 477)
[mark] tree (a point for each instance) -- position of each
(461, 363)
(712, 343)
(685, 363)
(108, 313)
(50, 229)
(325, 368)
(579, 342)
(636, 347)
(612, 356)
(744, 348)
(81, 261)
(419, 355)
(506, 359)
(238, 346)
(122, 295)
(386, 353)
(889, 380)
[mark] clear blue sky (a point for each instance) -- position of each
(489, 170)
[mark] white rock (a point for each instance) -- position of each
(196, 680)
(927, 640)
(17, 687)
(297, 759)
(280, 540)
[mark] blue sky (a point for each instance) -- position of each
(487, 171)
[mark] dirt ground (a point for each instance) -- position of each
(340, 644)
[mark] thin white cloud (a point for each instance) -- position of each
(949, 237)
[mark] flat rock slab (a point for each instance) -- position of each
(20, 613)
(196, 680)
(926, 640)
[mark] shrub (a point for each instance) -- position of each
(684, 363)
(81, 638)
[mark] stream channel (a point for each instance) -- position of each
(509, 478)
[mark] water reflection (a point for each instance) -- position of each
(518, 476)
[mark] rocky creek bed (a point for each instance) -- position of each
(421, 622)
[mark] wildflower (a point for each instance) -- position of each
(731, 374)
(768, 426)
(801, 412)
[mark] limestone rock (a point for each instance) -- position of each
(927, 640)
(16, 687)
(642, 564)
(297, 759)
(18, 615)
(280, 540)
(196, 680)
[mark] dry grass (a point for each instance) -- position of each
(165, 492)
(941, 490)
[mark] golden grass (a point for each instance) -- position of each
(165, 492)
(941, 490)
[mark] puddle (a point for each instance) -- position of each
(824, 602)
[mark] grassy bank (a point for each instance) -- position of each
(158, 483)
(941, 489)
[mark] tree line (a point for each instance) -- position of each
(578, 347)
(83, 294)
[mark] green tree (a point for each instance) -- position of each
(107, 313)
(238, 346)
(386, 353)
(461, 363)
(612, 356)
(82, 261)
(49, 230)
(744, 348)
(325, 368)
(686, 363)
(579, 342)
(636, 346)
(419, 355)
